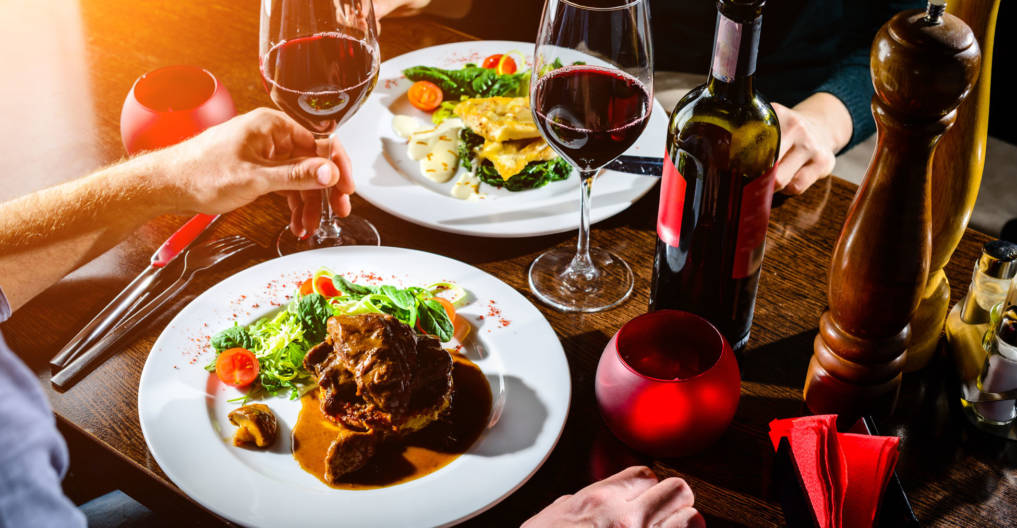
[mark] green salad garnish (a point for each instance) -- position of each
(535, 174)
(280, 341)
(472, 81)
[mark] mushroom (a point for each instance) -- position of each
(256, 425)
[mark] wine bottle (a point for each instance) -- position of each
(717, 184)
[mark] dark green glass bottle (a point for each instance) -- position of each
(722, 143)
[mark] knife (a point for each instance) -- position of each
(128, 300)
(644, 165)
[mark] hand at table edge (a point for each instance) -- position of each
(632, 497)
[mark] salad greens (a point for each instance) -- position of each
(281, 341)
(472, 81)
(535, 174)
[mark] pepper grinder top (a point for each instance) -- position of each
(924, 63)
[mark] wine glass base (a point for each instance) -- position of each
(553, 284)
(355, 231)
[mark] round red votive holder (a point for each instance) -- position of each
(668, 383)
(170, 104)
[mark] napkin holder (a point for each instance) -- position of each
(894, 507)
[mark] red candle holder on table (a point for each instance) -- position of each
(668, 384)
(171, 104)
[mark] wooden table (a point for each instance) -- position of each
(61, 99)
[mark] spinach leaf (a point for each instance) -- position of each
(233, 337)
(354, 291)
(401, 298)
(535, 174)
(435, 321)
(313, 312)
(471, 81)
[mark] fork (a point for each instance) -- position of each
(195, 259)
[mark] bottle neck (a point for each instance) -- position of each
(735, 46)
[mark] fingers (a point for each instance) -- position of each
(296, 208)
(630, 482)
(310, 215)
(684, 518)
(287, 130)
(784, 117)
(806, 176)
(805, 153)
(664, 499)
(788, 166)
(303, 175)
(342, 160)
(340, 203)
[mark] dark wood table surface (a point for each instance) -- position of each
(67, 71)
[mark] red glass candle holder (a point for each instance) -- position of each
(171, 104)
(668, 383)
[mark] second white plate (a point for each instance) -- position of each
(389, 180)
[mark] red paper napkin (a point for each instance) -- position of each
(843, 474)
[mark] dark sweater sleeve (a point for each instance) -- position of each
(851, 81)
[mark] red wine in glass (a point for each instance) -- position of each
(319, 80)
(590, 114)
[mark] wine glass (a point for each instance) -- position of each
(668, 383)
(319, 61)
(591, 95)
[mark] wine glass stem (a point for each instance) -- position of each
(581, 264)
(329, 227)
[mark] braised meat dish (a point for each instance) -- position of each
(378, 381)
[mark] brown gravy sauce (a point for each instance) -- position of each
(408, 459)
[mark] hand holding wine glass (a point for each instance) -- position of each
(591, 95)
(319, 61)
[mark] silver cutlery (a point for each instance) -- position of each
(195, 259)
(645, 165)
(133, 295)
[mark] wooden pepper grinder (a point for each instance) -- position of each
(923, 65)
(956, 175)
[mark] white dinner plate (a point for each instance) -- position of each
(183, 409)
(387, 178)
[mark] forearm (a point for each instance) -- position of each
(48, 234)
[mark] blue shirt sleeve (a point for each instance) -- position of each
(33, 456)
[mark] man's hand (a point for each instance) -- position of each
(383, 8)
(631, 498)
(232, 164)
(443, 8)
(811, 134)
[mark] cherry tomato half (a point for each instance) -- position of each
(502, 64)
(306, 288)
(327, 287)
(425, 95)
(324, 284)
(237, 367)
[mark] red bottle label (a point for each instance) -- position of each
(672, 203)
(752, 220)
